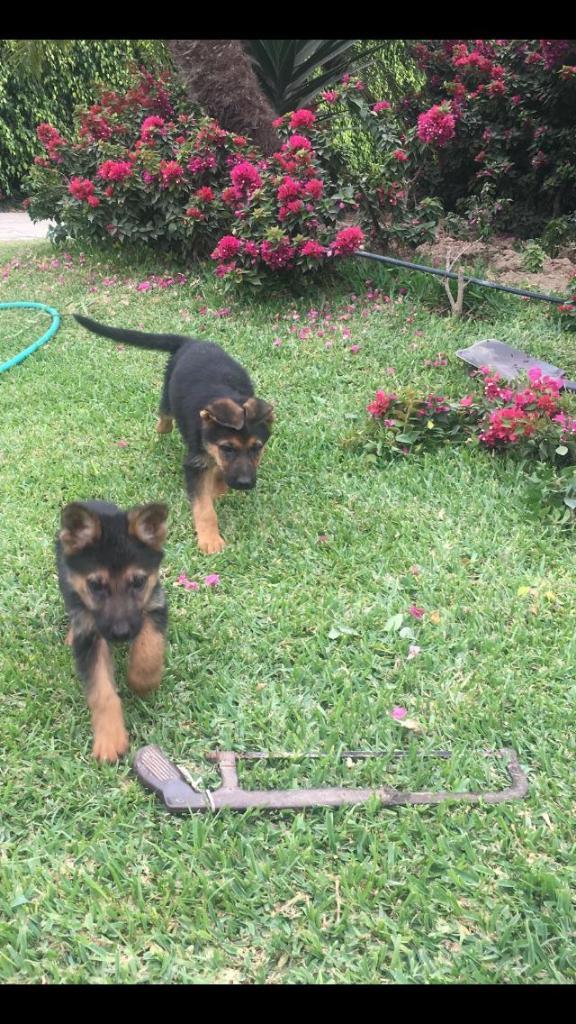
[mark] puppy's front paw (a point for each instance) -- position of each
(211, 545)
(110, 742)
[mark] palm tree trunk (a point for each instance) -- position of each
(218, 75)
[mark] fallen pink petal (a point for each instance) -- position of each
(213, 580)
(122, 443)
(354, 348)
(413, 651)
(399, 713)
(417, 613)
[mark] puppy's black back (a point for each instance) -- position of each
(196, 375)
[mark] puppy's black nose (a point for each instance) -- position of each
(244, 483)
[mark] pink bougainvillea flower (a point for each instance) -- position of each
(115, 170)
(466, 401)
(296, 142)
(347, 241)
(330, 96)
(205, 194)
(382, 402)
(313, 249)
(436, 126)
(148, 124)
(183, 581)
(417, 613)
(277, 342)
(413, 651)
(302, 119)
(314, 188)
(81, 188)
(213, 580)
(381, 105)
(354, 349)
(144, 286)
(399, 713)
(245, 176)
(400, 154)
(228, 247)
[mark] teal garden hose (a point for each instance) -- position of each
(41, 341)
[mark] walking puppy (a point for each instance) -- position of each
(108, 563)
(223, 425)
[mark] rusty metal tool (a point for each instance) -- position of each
(179, 792)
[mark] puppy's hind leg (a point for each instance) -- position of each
(165, 422)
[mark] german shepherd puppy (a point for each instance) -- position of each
(223, 426)
(108, 563)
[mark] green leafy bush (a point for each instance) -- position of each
(66, 79)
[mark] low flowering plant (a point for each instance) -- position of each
(530, 420)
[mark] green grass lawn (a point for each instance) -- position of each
(97, 882)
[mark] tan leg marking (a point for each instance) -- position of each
(110, 736)
(69, 637)
(204, 513)
(146, 659)
(165, 424)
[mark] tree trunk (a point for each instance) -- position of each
(219, 76)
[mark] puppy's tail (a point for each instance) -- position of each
(162, 342)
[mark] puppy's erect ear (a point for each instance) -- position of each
(258, 411)
(148, 524)
(80, 528)
(226, 412)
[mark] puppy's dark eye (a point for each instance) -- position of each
(228, 449)
(96, 585)
(137, 582)
(255, 448)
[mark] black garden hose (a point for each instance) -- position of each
(454, 277)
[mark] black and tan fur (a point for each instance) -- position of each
(223, 425)
(108, 564)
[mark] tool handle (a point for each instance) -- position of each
(568, 385)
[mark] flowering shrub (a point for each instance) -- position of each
(530, 420)
(495, 120)
(146, 168)
(565, 313)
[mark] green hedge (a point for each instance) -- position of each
(65, 79)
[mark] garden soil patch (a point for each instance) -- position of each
(503, 263)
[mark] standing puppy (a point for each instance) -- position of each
(223, 426)
(108, 563)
